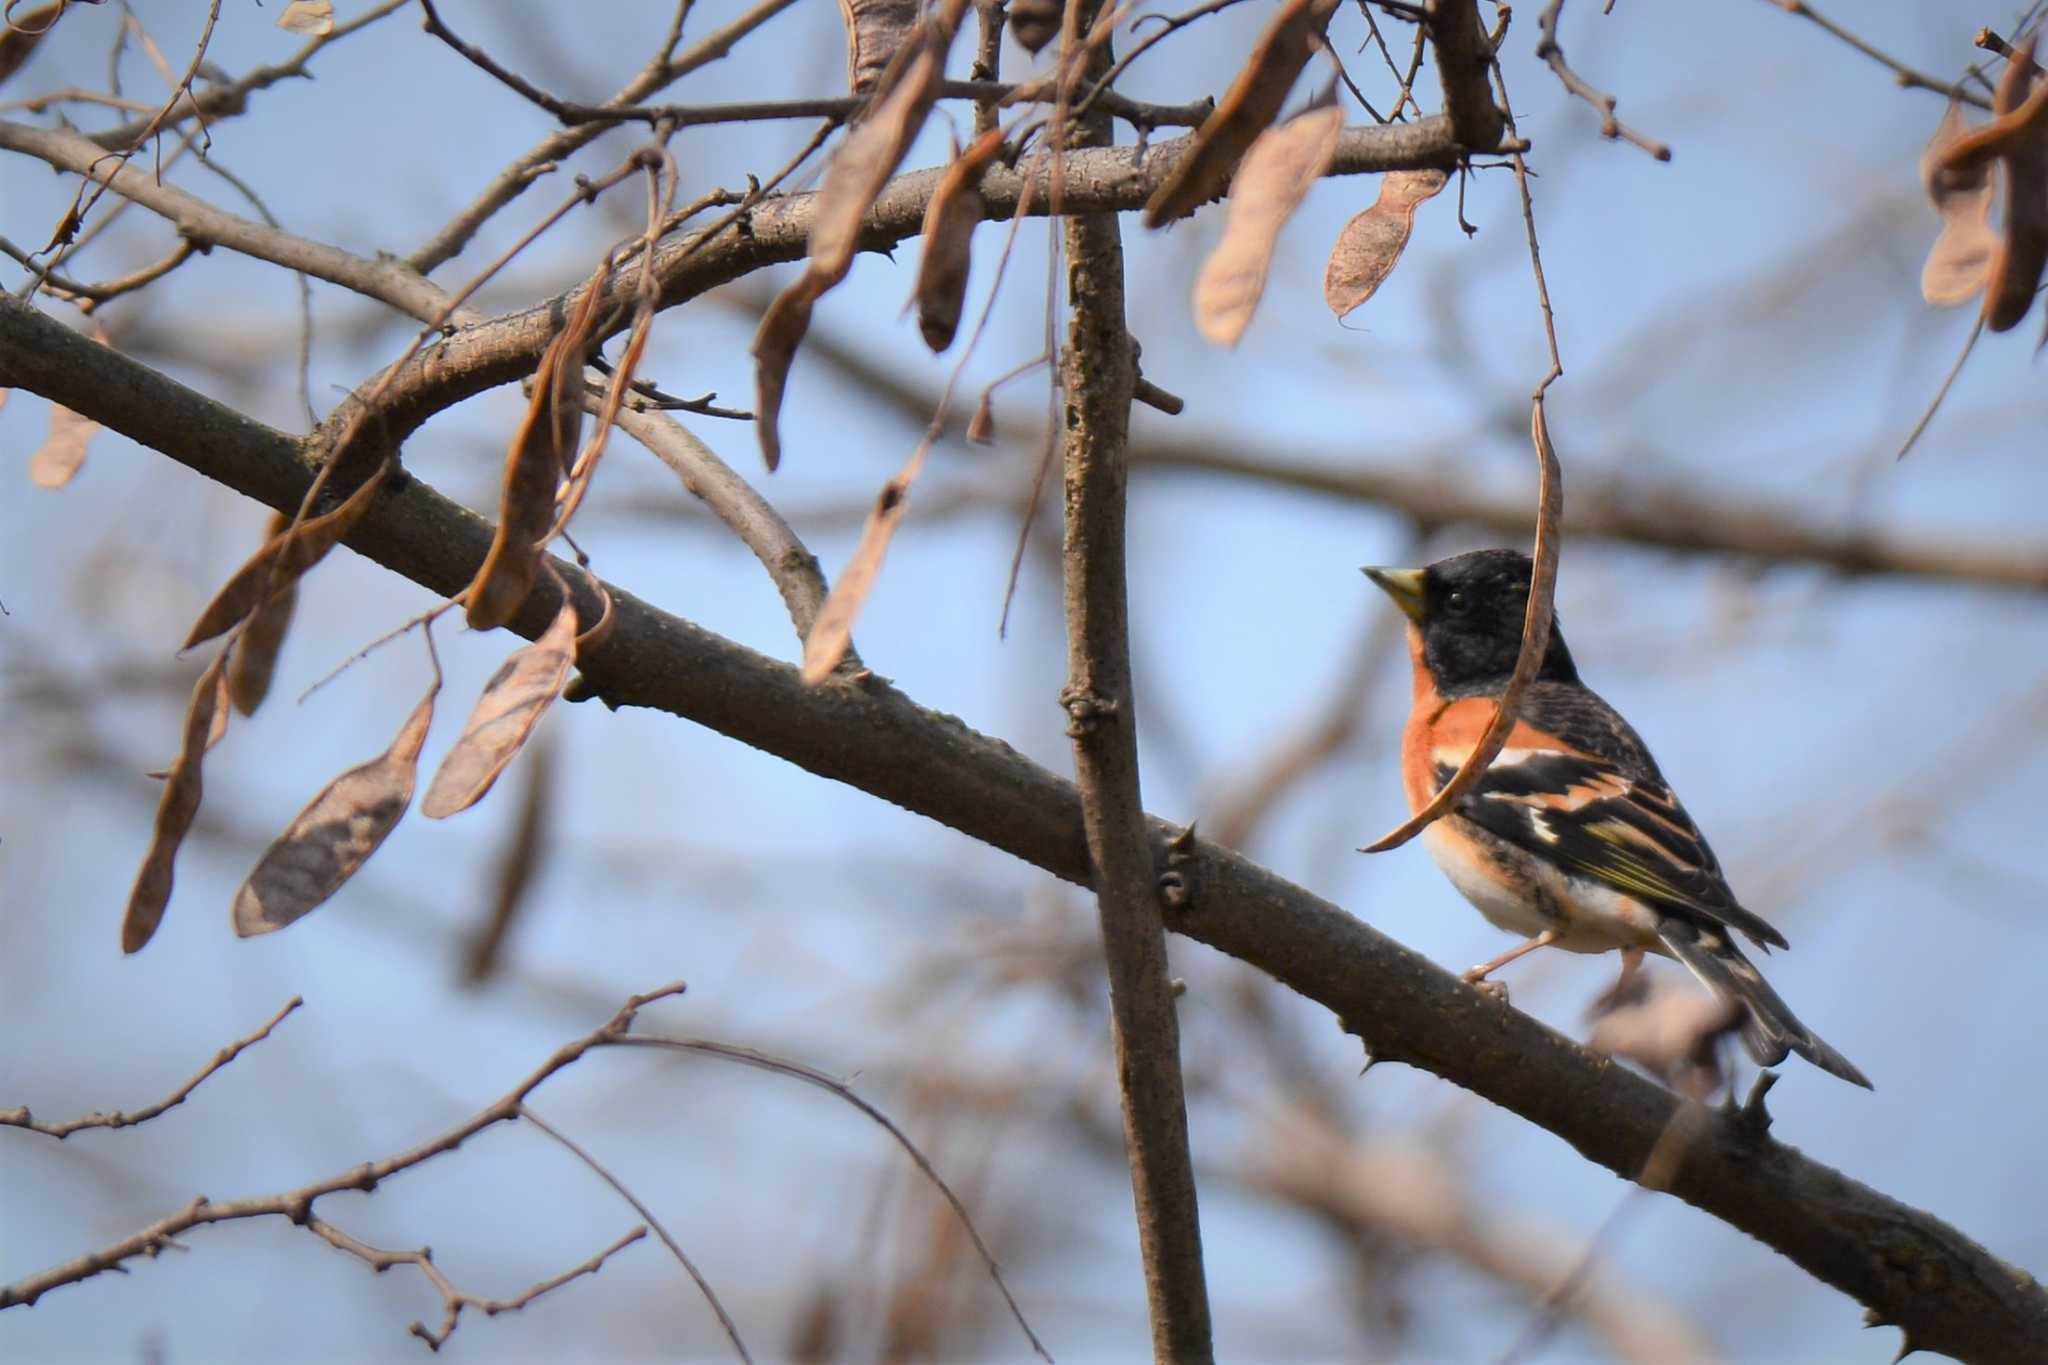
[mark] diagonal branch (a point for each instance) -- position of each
(1910, 1268)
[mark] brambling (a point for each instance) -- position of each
(1571, 838)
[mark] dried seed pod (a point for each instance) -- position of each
(175, 809)
(875, 31)
(511, 705)
(1960, 258)
(335, 834)
(859, 170)
(1247, 109)
(283, 561)
(949, 222)
(59, 457)
(1034, 23)
(1371, 243)
(1275, 177)
(540, 455)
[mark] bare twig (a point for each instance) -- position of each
(812, 1076)
(1906, 75)
(224, 100)
(298, 1205)
(759, 526)
(85, 294)
(572, 113)
(454, 1300)
(732, 1331)
(1098, 375)
(1941, 394)
(21, 1118)
(1548, 50)
(511, 182)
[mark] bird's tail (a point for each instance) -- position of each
(1769, 1028)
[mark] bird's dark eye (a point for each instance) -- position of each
(1457, 603)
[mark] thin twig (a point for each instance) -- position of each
(232, 97)
(1907, 76)
(454, 1300)
(21, 1118)
(298, 1205)
(542, 158)
(781, 1066)
(732, 1331)
(572, 113)
(1941, 394)
(1548, 50)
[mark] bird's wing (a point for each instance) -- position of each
(1575, 786)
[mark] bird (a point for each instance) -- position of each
(1571, 838)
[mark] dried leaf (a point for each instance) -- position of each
(830, 634)
(511, 705)
(282, 561)
(607, 617)
(863, 164)
(781, 332)
(875, 31)
(1247, 109)
(949, 223)
(175, 809)
(254, 658)
(336, 833)
(308, 16)
(18, 37)
(570, 495)
(540, 455)
(1034, 23)
(1275, 177)
(517, 863)
(2022, 254)
(1960, 259)
(877, 144)
(981, 428)
(1371, 242)
(54, 464)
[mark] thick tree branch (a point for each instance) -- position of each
(1094, 180)
(1464, 60)
(1098, 375)
(1910, 1268)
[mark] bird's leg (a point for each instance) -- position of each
(1476, 976)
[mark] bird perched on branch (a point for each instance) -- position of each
(1571, 837)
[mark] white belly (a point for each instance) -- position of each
(1589, 916)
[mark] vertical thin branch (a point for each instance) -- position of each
(1097, 376)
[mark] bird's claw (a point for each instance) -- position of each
(1486, 986)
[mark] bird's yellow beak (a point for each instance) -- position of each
(1403, 585)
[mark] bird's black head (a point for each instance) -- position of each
(1468, 611)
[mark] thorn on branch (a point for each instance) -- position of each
(1176, 884)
